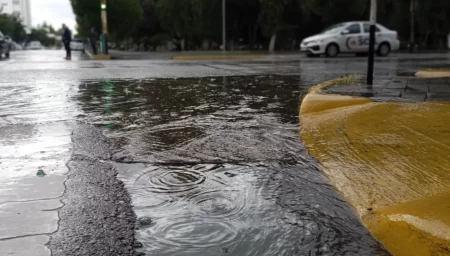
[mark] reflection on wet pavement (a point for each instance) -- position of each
(34, 135)
(217, 166)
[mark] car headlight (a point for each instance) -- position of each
(312, 42)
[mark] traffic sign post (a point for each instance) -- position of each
(373, 22)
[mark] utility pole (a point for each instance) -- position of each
(224, 25)
(104, 36)
(373, 22)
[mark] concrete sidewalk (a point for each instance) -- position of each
(398, 89)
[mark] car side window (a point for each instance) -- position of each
(354, 28)
(367, 28)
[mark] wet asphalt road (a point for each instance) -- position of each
(170, 158)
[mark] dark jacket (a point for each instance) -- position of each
(94, 37)
(66, 36)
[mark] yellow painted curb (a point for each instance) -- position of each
(391, 161)
(316, 101)
(98, 56)
(219, 57)
(433, 73)
(421, 226)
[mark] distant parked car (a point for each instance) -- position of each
(17, 47)
(5, 46)
(34, 45)
(77, 45)
(350, 37)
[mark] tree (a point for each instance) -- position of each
(276, 16)
(123, 16)
(271, 19)
(419, 26)
(149, 25)
(333, 12)
(41, 34)
(182, 19)
(11, 25)
(435, 26)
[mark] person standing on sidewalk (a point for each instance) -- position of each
(66, 38)
(94, 40)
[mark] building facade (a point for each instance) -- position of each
(20, 8)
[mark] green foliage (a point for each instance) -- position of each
(338, 11)
(432, 20)
(160, 39)
(41, 34)
(183, 19)
(123, 16)
(253, 22)
(271, 16)
(12, 26)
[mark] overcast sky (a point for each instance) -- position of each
(55, 12)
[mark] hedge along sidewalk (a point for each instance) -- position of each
(390, 160)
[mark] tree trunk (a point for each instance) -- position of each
(425, 40)
(273, 40)
(183, 45)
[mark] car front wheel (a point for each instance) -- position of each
(332, 50)
(7, 55)
(384, 50)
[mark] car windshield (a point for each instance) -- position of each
(334, 29)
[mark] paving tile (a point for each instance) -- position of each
(364, 92)
(439, 88)
(439, 97)
(389, 93)
(414, 95)
(437, 80)
(396, 86)
(390, 99)
(422, 87)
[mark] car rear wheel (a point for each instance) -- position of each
(7, 55)
(332, 50)
(384, 49)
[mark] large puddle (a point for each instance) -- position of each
(215, 166)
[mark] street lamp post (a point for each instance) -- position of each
(224, 25)
(104, 37)
(373, 22)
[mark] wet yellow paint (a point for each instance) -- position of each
(316, 102)
(393, 158)
(419, 227)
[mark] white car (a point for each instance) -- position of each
(34, 45)
(76, 45)
(350, 37)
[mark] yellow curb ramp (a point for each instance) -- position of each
(433, 73)
(219, 57)
(98, 56)
(391, 161)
